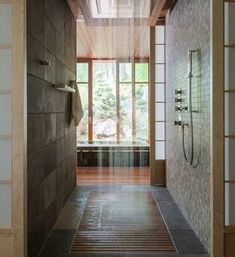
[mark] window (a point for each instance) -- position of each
(160, 119)
(82, 77)
(114, 93)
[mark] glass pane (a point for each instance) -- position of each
(5, 69)
(125, 71)
(160, 112)
(82, 72)
(160, 131)
(229, 150)
(160, 73)
(5, 24)
(5, 159)
(160, 150)
(229, 114)
(160, 92)
(160, 54)
(141, 95)
(125, 91)
(104, 101)
(159, 34)
(229, 204)
(229, 15)
(5, 114)
(229, 63)
(141, 72)
(82, 129)
(5, 206)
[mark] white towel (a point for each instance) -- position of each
(77, 111)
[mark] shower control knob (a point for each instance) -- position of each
(178, 91)
(178, 108)
(178, 100)
(178, 123)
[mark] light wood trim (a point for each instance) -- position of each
(156, 12)
(121, 60)
(5, 1)
(5, 231)
(5, 136)
(5, 92)
(19, 129)
(5, 46)
(152, 106)
(6, 244)
(5, 182)
(217, 131)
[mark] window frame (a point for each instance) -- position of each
(133, 83)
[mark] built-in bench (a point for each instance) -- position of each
(113, 155)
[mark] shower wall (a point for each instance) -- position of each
(51, 171)
(188, 27)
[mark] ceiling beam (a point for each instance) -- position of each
(157, 11)
(74, 7)
(85, 10)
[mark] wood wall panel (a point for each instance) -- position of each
(6, 244)
(159, 176)
(217, 146)
(229, 244)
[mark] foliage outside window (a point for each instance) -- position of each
(118, 101)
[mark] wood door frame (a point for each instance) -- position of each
(19, 129)
(217, 128)
(13, 240)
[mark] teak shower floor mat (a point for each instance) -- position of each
(122, 222)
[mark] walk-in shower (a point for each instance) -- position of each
(181, 107)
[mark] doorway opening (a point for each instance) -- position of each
(113, 136)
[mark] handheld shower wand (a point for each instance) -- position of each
(189, 159)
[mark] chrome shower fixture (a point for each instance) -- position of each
(179, 108)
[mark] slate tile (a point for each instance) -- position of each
(35, 169)
(50, 128)
(50, 158)
(35, 92)
(35, 131)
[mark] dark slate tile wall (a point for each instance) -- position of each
(51, 134)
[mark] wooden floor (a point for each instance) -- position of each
(113, 175)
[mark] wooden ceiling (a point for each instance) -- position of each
(116, 28)
(112, 41)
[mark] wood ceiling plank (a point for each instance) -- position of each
(112, 41)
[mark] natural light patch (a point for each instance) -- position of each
(104, 101)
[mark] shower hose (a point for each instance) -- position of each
(189, 159)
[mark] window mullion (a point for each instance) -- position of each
(133, 103)
(117, 102)
(90, 101)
